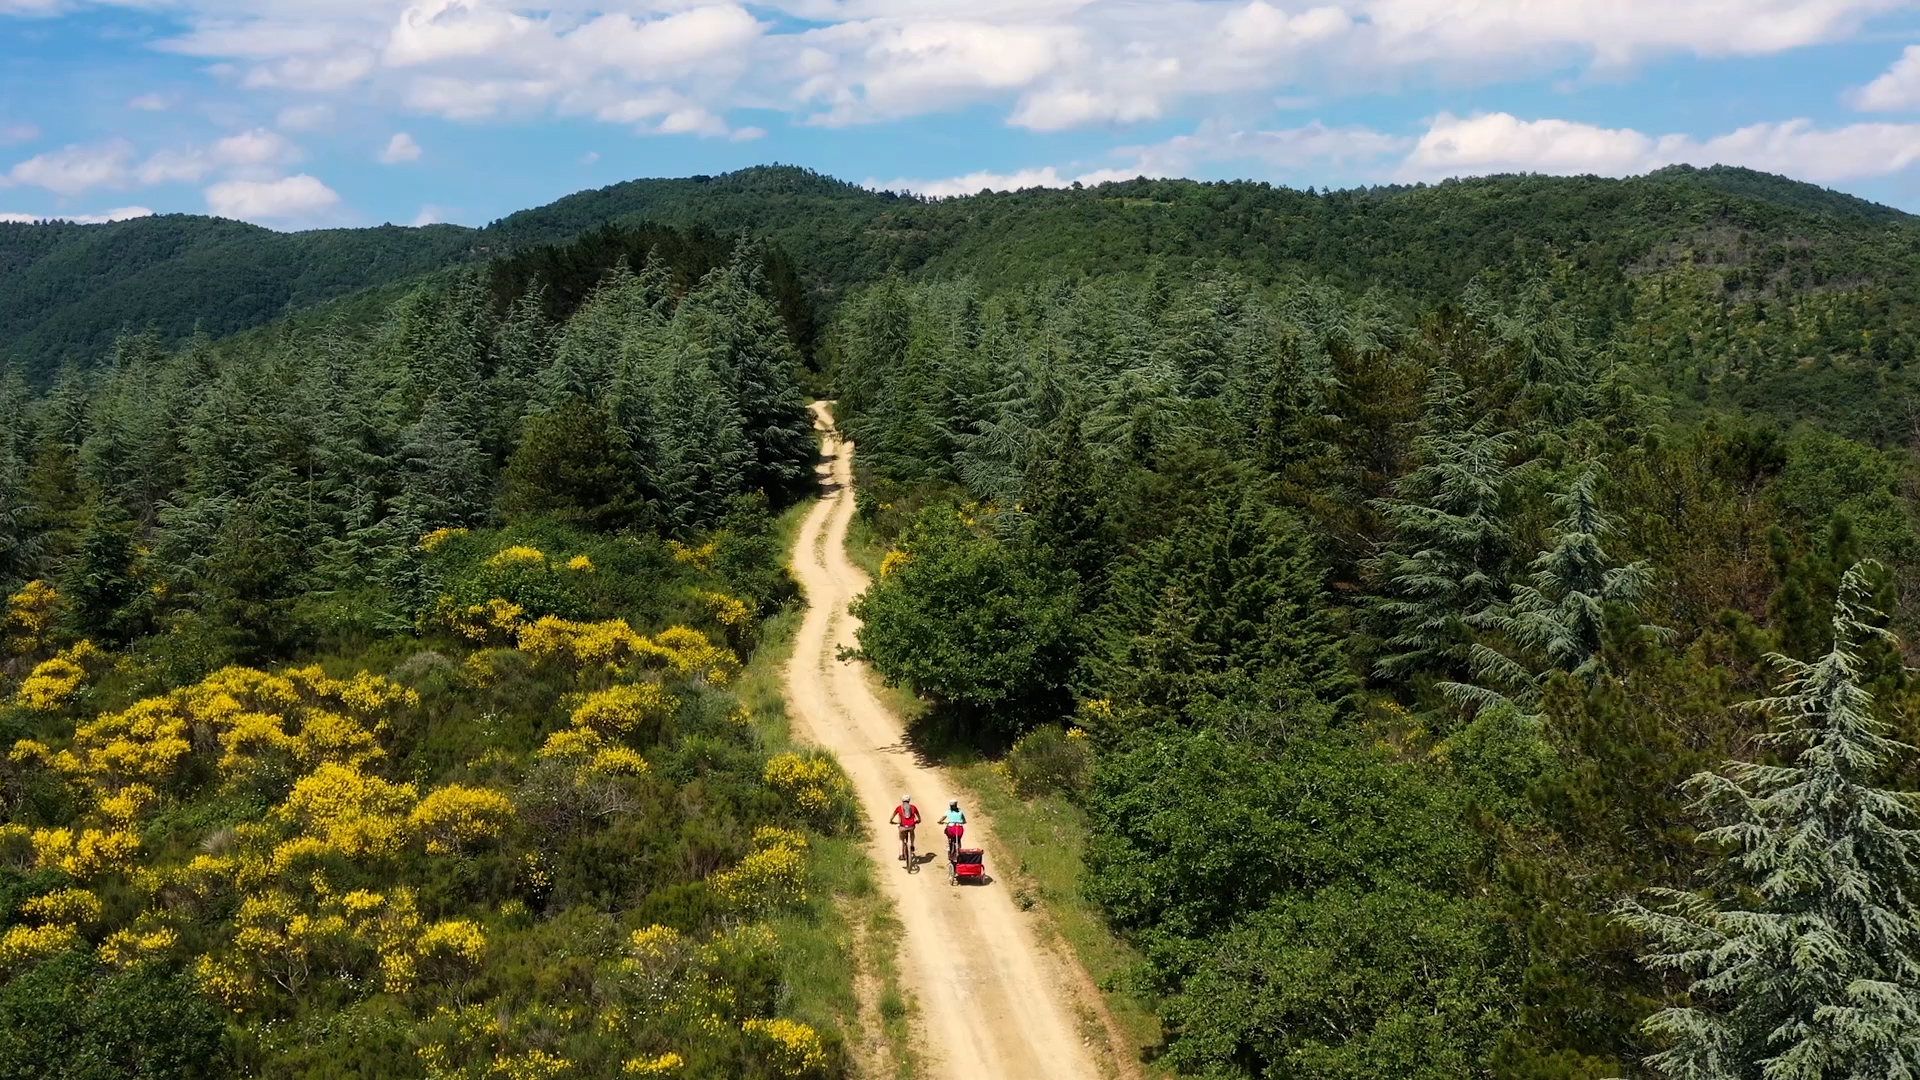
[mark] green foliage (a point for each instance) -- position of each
(1050, 760)
(967, 621)
(1346, 983)
(66, 290)
(571, 465)
(67, 1019)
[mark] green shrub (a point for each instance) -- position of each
(1050, 760)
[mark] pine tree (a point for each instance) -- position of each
(1560, 616)
(571, 465)
(1803, 961)
(1446, 568)
(746, 344)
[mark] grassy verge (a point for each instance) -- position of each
(839, 950)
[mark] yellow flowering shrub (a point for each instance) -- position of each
(654, 943)
(792, 1048)
(86, 854)
(330, 736)
(619, 709)
(432, 541)
(517, 556)
(572, 743)
(126, 947)
(700, 558)
(458, 939)
(580, 564)
(815, 784)
(497, 620)
(618, 761)
(662, 1065)
(691, 654)
(454, 817)
(280, 939)
(126, 805)
(22, 946)
(224, 981)
(17, 849)
(729, 611)
(609, 642)
(773, 876)
(53, 683)
(892, 561)
(532, 1065)
(29, 614)
(64, 907)
(30, 752)
(357, 813)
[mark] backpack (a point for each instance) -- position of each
(909, 815)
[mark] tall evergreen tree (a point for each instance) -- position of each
(1445, 570)
(1803, 961)
(1559, 617)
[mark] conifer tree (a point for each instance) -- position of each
(1559, 617)
(745, 342)
(1445, 569)
(1802, 961)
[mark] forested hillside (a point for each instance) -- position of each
(1439, 604)
(67, 290)
(1756, 257)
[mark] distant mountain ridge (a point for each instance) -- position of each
(66, 290)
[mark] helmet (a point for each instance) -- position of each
(906, 798)
(953, 804)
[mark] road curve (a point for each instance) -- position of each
(994, 1003)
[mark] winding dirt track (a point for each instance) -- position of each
(993, 1002)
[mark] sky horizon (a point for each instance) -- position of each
(359, 112)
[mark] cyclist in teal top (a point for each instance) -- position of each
(956, 822)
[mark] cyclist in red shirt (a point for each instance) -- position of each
(906, 816)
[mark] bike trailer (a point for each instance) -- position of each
(970, 864)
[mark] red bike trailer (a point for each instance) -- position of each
(969, 865)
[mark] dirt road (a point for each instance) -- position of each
(994, 1003)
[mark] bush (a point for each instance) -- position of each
(1050, 760)
(970, 622)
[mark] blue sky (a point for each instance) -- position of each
(354, 112)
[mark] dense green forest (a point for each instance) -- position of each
(1471, 619)
(1397, 665)
(374, 700)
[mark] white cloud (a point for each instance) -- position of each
(589, 157)
(154, 102)
(1897, 88)
(435, 30)
(400, 149)
(1499, 142)
(680, 41)
(18, 133)
(71, 170)
(247, 154)
(311, 73)
(1047, 65)
(428, 215)
(123, 213)
(477, 99)
(304, 117)
(292, 198)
